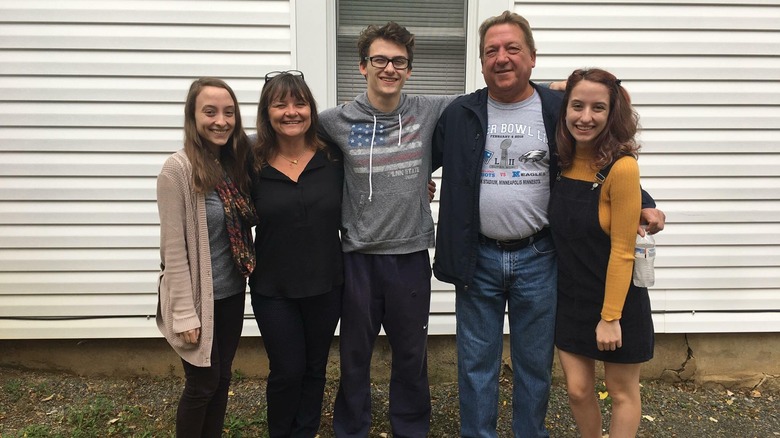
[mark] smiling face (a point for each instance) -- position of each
(289, 117)
(507, 63)
(385, 83)
(215, 117)
(587, 112)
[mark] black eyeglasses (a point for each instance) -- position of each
(272, 74)
(399, 62)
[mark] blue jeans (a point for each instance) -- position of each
(527, 280)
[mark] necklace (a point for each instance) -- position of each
(293, 162)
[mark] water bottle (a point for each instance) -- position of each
(644, 258)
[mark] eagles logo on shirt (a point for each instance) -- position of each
(533, 156)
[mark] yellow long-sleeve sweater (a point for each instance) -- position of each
(620, 205)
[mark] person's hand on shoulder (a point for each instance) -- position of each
(558, 85)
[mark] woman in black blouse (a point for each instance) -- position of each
(296, 286)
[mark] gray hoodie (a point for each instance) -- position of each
(387, 165)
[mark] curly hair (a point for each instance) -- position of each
(618, 137)
(391, 31)
(206, 171)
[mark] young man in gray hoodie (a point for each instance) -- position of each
(385, 136)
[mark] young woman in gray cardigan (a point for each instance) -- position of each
(206, 252)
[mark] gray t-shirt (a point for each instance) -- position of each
(228, 281)
(515, 179)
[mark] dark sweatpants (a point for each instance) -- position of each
(394, 292)
(201, 411)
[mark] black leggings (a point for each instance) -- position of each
(203, 402)
(297, 334)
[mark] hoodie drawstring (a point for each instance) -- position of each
(400, 129)
(371, 164)
(371, 156)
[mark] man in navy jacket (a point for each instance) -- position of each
(498, 153)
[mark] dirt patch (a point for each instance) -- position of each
(39, 404)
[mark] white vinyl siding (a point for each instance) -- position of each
(705, 79)
(91, 104)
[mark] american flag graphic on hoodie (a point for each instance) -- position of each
(389, 158)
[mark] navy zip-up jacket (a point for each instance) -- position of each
(458, 147)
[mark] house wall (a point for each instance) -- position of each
(91, 104)
(705, 79)
(739, 360)
(91, 99)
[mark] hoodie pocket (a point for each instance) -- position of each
(395, 216)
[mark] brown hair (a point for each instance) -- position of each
(392, 32)
(617, 138)
(507, 17)
(280, 87)
(206, 171)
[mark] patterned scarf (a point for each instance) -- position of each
(240, 216)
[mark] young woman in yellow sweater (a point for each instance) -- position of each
(594, 208)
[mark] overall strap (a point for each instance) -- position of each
(602, 174)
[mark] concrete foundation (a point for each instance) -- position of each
(729, 360)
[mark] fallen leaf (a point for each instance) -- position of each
(729, 393)
(231, 393)
(603, 395)
(755, 393)
(713, 420)
(729, 402)
(383, 435)
(47, 398)
(112, 421)
(648, 418)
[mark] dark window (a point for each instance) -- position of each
(439, 27)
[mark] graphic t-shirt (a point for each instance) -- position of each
(515, 179)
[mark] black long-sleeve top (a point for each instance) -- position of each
(297, 240)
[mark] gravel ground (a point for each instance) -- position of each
(37, 404)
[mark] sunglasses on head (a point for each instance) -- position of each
(272, 74)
